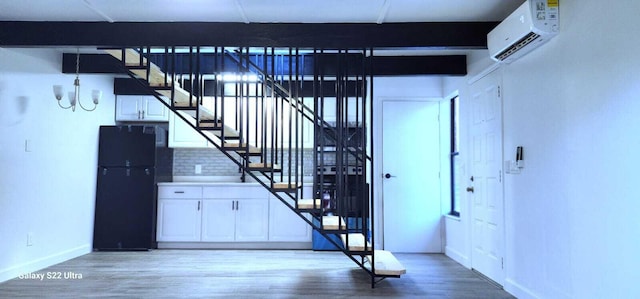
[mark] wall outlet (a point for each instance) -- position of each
(29, 239)
(198, 169)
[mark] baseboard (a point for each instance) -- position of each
(457, 256)
(234, 245)
(518, 291)
(44, 262)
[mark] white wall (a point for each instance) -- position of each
(48, 191)
(572, 229)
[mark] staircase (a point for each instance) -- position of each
(254, 106)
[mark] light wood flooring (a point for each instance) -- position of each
(246, 273)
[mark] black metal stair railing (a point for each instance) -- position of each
(265, 112)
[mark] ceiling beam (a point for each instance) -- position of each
(446, 65)
(437, 35)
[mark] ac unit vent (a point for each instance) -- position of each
(529, 38)
(529, 26)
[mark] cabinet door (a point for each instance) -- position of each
(128, 108)
(252, 220)
(218, 220)
(285, 225)
(154, 110)
(179, 220)
(182, 134)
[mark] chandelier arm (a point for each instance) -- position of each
(85, 109)
(63, 107)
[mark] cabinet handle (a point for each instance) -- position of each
(198, 205)
(178, 192)
(142, 114)
(138, 114)
(233, 205)
(237, 205)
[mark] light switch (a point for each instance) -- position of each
(198, 169)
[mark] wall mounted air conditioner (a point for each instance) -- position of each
(528, 27)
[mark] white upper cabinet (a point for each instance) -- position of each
(140, 108)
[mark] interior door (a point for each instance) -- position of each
(485, 183)
(411, 188)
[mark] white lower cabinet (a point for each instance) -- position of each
(285, 225)
(239, 220)
(179, 220)
(218, 221)
(225, 214)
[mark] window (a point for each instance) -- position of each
(455, 156)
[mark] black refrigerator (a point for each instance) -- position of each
(126, 189)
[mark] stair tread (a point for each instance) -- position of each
(181, 97)
(237, 146)
(386, 263)
(284, 186)
(331, 223)
(156, 77)
(132, 56)
(306, 204)
(260, 165)
(356, 242)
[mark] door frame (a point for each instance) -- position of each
(378, 170)
(466, 142)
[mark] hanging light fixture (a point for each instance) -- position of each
(74, 96)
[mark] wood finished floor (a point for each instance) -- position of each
(247, 273)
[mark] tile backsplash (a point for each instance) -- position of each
(215, 163)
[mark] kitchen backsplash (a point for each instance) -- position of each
(215, 163)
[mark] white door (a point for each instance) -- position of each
(411, 193)
(179, 220)
(487, 217)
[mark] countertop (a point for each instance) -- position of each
(218, 181)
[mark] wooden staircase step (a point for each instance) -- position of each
(156, 78)
(237, 147)
(132, 56)
(229, 133)
(356, 242)
(386, 264)
(181, 97)
(264, 167)
(333, 223)
(307, 204)
(285, 187)
(212, 124)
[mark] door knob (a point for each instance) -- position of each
(470, 189)
(388, 176)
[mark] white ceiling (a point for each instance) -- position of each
(258, 11)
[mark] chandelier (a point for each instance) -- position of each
(74, 96)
